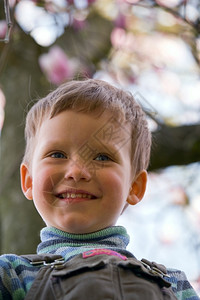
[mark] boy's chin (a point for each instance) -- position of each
(78, 230)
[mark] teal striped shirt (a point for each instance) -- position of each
(17, 274)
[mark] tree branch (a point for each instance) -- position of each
(175, 146)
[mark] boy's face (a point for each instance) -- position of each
(80, 178)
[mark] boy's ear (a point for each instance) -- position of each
(26, 181)
(138, 188)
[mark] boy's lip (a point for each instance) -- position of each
(74, 194)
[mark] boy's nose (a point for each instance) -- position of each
(77, 170)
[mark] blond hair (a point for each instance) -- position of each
(92, 96)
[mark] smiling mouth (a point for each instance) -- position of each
(75, 196)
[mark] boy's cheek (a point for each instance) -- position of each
(45, 182)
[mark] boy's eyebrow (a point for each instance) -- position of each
(104, 146)
(110, 147)
(114, 143)
(51, 143)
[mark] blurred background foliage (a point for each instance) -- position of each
(151, 48)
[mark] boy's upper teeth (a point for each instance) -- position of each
(73, 195)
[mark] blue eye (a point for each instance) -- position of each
(58, 155)
(102, 157)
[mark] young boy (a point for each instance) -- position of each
(87, 151)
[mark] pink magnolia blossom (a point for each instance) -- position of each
(90, 1)
(79, 24)
(118, 37)
(57, 66)
(70, 2)
(2, 105)
(120, 21)
(3, 28)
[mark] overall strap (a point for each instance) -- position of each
(43, 259)
(42, 287)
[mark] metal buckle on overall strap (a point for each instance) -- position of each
(52, 264)
(154, 270)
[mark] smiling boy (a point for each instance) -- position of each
(87, 151)
(63, 186)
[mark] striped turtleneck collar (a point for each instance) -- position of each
(56, 241)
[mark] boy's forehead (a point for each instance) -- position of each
(105, 118)
(104, 129)
(113, 132)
